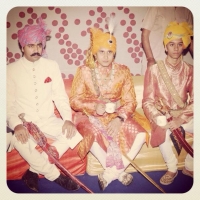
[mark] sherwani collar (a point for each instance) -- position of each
(29, 64)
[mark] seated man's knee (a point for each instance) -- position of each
(142, 136)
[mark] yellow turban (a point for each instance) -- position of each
(176, 30)
(102, 40)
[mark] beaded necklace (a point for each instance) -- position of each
(175, 67)
(102, 84)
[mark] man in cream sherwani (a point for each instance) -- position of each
(33, 84)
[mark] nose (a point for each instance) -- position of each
(35, 48)
(105, 55)
(175, 47)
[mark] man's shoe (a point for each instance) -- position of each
(31, 180)
(168, 178)
(102, 182)
(125, 178)
(187, 172)
(67, 183)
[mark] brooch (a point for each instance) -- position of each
(169, 35)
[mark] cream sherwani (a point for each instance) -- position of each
(28, 93)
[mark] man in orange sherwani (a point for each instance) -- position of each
(104, 99)
(172, 92)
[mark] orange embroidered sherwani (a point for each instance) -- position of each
(155, 88)
(83, 98)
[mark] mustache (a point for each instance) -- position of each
(36, 54)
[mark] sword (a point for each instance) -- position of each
(49, 150)
(176, 133)
(175, 141)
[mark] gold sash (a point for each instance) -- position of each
(171, 88)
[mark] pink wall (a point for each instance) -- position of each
(70, 33)
(70, 37)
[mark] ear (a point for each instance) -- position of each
(166, 48)
(22, 49)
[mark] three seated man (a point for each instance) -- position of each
(104, 99)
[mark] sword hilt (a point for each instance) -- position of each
(21, 116)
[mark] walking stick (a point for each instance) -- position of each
(143, 173)
(49, 150)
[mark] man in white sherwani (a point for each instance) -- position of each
(33, 84)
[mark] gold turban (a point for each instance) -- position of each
(176, 30)
(98, 40)
(102, 40)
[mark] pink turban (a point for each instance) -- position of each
(33, 33)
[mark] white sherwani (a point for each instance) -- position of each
(28, 93)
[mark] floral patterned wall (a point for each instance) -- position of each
(70, 36)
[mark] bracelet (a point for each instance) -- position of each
(121, 118)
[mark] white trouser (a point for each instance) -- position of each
(168, 154)
(39, 162)
(111, 174)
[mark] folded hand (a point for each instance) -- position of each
(69, 128)
(21, 133)
(114, 127)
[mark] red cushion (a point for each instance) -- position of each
(16, 165)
